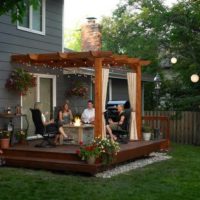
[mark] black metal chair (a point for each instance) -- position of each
(123, 135)
(41, 129)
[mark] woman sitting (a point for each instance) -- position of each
(65, 115)
(50, 125)
(120, 125)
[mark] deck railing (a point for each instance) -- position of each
(159, 124)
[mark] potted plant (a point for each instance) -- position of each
(20, 80)
(146, 131)
(4, 139)
(108, 150)
(88, 152)
(21, 136)
(103, 149)
(78, 89)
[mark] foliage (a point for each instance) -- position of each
(151, 30)
(108, 149)
(72, 39)
(177, 179)
(21, 135)
(89, 150)
(134, 30)
(4, 134)
(104, 149)
(78, 89)
(146, 128)
(17, 8)
(20, 81)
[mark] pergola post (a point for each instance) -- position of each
(98, 97)
(139, 101)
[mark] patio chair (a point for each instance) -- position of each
(123, 135)
(41, 129)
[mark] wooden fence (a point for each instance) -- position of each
(184, 125)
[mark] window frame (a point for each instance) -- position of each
(43, 32)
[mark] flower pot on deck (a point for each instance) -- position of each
(147, 136)
(4, 143)
(91, 160)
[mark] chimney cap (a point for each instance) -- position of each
(90, 19)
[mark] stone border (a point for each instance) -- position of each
(154, 157)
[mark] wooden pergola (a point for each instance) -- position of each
(98, 60)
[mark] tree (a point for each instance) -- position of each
(150, 30)
(134, 30)
(17, 8)
(184, 39)
(72, 39)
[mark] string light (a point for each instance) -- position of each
(173, 60)
(194, 78)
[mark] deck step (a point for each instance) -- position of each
(51, 164)
(71, 156)
(64, 158)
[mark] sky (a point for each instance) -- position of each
(76, 11)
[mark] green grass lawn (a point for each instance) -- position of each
(177, 178)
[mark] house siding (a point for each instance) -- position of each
(77, 104)
(15, 41)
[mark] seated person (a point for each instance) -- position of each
(119, 125)
(65, 115)
(88, 114)
(51, 126)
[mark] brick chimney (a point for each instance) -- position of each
(91, 35)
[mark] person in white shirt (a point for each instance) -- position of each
(88, 114)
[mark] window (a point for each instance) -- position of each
(34, 20)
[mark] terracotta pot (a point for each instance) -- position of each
(91, 160)
(4, 143)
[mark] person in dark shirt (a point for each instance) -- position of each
(119, 125)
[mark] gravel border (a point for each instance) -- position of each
(154, 157)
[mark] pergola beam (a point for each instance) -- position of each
(78, 59)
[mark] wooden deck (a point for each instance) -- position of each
(64, 158)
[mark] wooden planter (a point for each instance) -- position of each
(4, 143)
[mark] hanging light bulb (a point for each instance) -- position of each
(194, 78)
(173, 60)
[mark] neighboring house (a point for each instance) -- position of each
(42, 32)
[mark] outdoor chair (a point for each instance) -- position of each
(41, 129)
(123, 135)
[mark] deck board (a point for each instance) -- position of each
(64, 158)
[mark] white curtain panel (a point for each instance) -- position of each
(131, 77)
(105, 76)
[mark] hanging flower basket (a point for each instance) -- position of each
(20, 81)
(78, 89)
